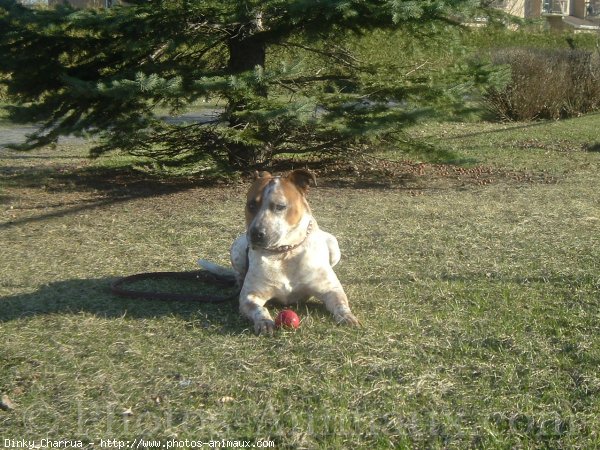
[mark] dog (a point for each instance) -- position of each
(284, 255)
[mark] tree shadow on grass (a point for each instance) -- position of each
(93, 296)
(93, 188)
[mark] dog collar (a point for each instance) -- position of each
(290, 247)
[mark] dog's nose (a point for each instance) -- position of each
(258, 235)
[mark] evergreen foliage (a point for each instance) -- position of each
(105, 72)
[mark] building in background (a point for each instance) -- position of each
(75, 3)
(580, 15)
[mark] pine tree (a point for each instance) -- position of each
(104, 72)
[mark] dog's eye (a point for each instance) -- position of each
(252, 205)
(279, 207)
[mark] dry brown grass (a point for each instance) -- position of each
(547, 84)
(479, 304)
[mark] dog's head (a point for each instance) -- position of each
(276, 207)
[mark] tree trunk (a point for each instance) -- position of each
(246, 51)
(246, 46)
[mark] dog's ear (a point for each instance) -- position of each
(263, 174)
(302, 178)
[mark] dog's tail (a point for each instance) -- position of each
(215, 269)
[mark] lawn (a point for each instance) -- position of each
(477, 284)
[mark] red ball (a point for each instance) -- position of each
(287, 319)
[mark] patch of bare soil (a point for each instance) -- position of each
(370, 171)
(559, 145)
(45, 186)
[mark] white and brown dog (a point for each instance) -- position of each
(284, 255)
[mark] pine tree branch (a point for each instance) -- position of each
(211, 27)
(307, 79)
(410, 72)
(285, 86)
(201, 53)
(336, 56)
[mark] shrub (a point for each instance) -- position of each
(546, 84)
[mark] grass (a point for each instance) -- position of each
(477, 285)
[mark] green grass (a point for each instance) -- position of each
(479, 303)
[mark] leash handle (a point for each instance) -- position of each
(203, 276)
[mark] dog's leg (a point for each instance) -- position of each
(336, 303)
(252, 307)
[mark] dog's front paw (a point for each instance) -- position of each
(346, 318)
(264, 326)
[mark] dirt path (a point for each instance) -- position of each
(10, 134)
(16, 134)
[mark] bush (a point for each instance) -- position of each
(546, 84)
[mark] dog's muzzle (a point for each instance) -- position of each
(258, 237)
